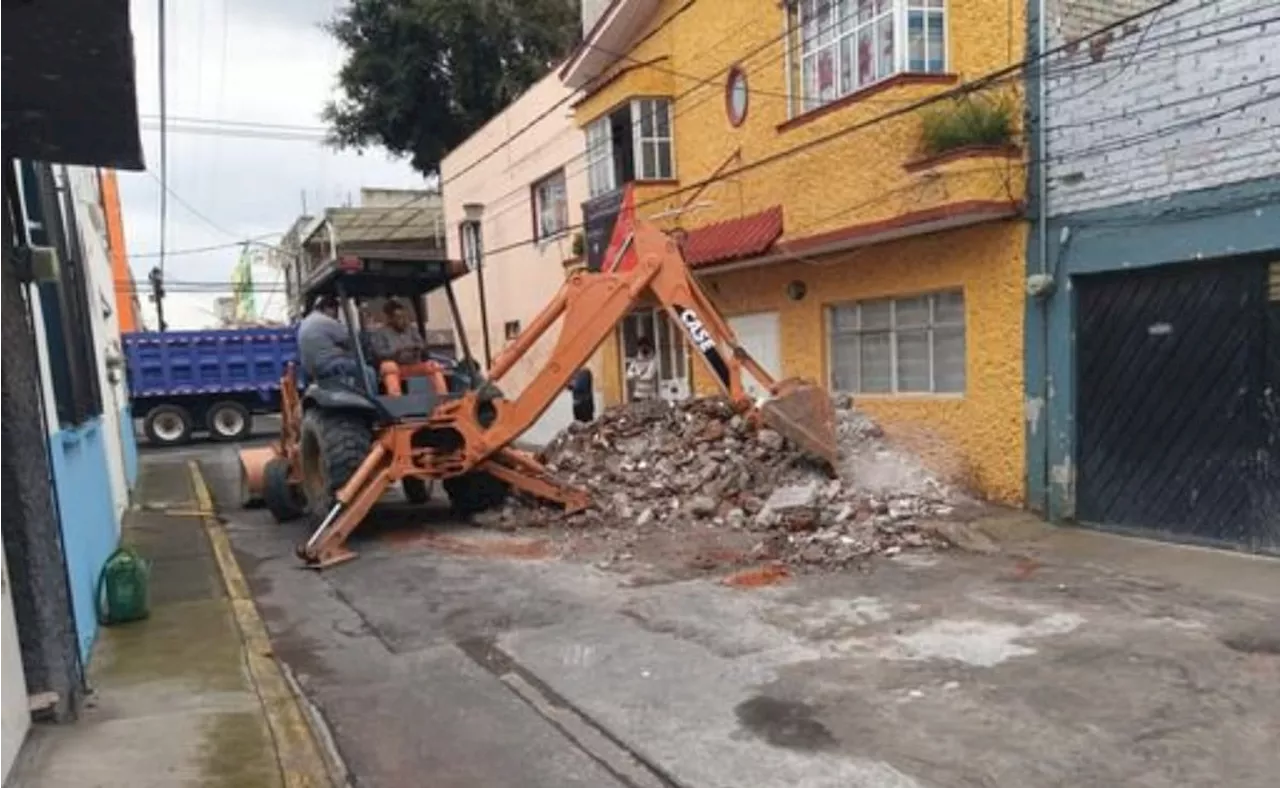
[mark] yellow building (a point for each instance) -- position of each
(852, 234)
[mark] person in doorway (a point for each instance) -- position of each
(584, 402)
(398, 339)
(324, 345)
(642, 371)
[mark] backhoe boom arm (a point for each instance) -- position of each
(590, 306)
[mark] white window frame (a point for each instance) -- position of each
(854, 334)
(810, 39)
(472, 243)
(550, 206)
(602, 174)
(652, 108)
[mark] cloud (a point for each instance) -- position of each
(235, 60)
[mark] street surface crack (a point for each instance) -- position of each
(597, 742)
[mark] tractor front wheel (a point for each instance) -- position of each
(475, 492)
(285, 501)
(333, 446)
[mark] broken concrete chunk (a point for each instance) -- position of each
(659, 466)
(701, 506)
(793, 496)
(770, 440)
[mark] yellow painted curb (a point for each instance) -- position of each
(302, 762)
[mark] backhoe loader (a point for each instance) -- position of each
(354, 442)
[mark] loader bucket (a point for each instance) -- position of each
(252, 464)
(801, 412)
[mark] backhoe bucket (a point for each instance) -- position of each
(801, 412)
(252, 464)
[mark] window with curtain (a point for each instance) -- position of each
(841, 46)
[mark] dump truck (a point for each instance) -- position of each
(186, 382)
(349, 440)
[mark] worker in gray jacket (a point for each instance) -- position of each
(324, 345)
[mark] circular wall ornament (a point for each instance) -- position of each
(735, 96)
(796, 290)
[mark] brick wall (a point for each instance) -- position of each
(1072, 20)
(1179, 100)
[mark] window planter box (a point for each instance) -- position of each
(897, 80)
(1008, 151)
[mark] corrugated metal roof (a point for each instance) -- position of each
(414, 222)
(733, 239)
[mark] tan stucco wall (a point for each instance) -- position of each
(521, 280)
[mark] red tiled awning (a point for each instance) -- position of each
(733, 239)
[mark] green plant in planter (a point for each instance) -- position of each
(967, 121)
(579, 245)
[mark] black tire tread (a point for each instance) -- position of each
(344, 443)
(475, 492)
(212, 420)
(148, 424)
(417, 491)
(285, 501)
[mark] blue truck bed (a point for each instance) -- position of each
(180, 381)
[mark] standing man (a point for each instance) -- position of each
(642, 371)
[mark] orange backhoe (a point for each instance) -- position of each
(344, 445)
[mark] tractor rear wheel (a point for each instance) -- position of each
(333, 445)
(285, 501)
(475, 492)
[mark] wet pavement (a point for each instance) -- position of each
(451, 656)
(171, 702)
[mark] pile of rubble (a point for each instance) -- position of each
(700, 464)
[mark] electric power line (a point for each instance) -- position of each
(255, 240)
(964, 89)
(681, 110)
(564, 100)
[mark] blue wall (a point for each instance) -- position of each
(86, 509)
(1210, 224)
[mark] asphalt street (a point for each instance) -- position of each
(453, 656)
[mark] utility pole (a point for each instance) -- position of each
(157, 294)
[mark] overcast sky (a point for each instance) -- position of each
(256, 61)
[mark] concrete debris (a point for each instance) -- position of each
(701, 464)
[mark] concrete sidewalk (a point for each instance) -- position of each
(186, 697)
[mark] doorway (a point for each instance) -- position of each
(668, 346)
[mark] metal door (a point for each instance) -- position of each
(1177, 378)
(758, 333)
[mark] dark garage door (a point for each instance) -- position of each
(1179, 402)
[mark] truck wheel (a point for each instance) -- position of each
(418, 491)
(333, 446)
(475, 492)
(167, 425)
(285, 501)
(229, 421)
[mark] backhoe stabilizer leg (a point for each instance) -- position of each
(541, 485)
(327, 545)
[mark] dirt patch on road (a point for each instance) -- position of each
(479, 544)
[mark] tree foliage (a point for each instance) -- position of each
(423, 75)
